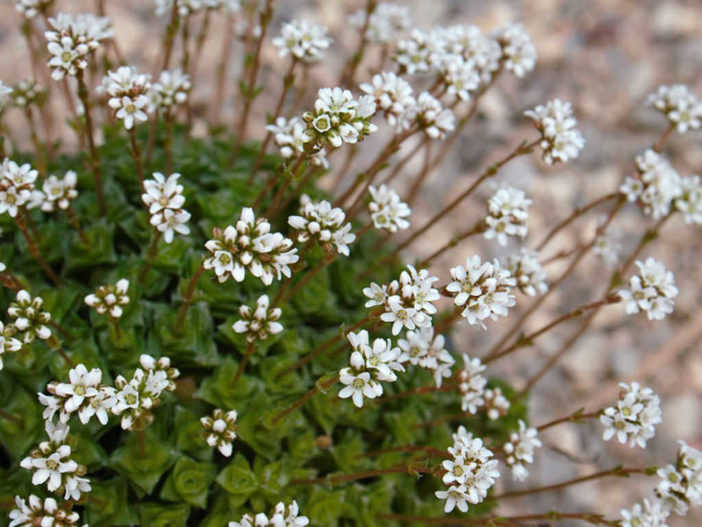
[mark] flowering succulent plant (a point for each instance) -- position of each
(201, 331)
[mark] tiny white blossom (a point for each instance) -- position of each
(71, 38)
(653, 290)
(171, 89)
(652, 514)
(385, 22)
(431, 116)
(8, 344)
(520, 450)
(59, 193)
(259, 322)
(682, 108)
(656, 186)
(29, 320)
(508, 211)
(387, 209)
(560, 141)
(633, 420)
(471, 384)
(320, 221)
(393, 96)
(42, 512)
(518, 51)
(528, 272)
(496, 404)
(128, 94)
(421, 348)
(110, 299)
(304, 41)
(681, 483)
(221, 430)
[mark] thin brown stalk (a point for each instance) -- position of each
(38, 147)
(136, 156)
(34, 249)
(319, 387)
(250, 348)
(56, 346)
(436, 452)
(401, 164)
(345, 478)
(421, 177)
(187, 299)
(75, 223)
(12, 418)
(517, 521)
(84, 97)
(200, 42)
(324, 262)
(292, 172)
(576, 417)
(418, 391)
(348, 76)
(150, 256)
(478, 228)
(222, 67)
(169, 37)
(168, 140)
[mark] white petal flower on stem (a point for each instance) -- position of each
(42, 512)
(634, 418)
(519, 450)
(221, 430)
(385, 22)
(508, 211)
(681, 107)
(320, 221)
(653, 290)
(387, 210)
(304, 41)
(128, 94)
(171, 89)
(71, 38)
(471, 384)
(656, 187)
(560, 141)
(260, 321)
(29, 319)
(59, 193)
(518, 51)
(689, 203)
(528, 272)
(109, 300)
(681, 483)
(393, 96)
(432, 117)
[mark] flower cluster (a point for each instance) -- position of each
(51, 464)
(137, 397)
(385, 22)
(164, 197)
(519, 450)
(30, 9)
(394, 96)
(682, 108)
(482, 289)
(656, 185)
(279, 518)
(607, 246)
(369, 366)
(652, 514)
(407, 302)
(496, 404)
(250, 245)
(29, 319)
(171, 89)
(128, 92)
(184, 7)
(508, 211)
(653, 290)
(560, 139)
(221, 430)
(8, 343)
(689, 202)
(518, 52)
(635, 416)
(290, 136)
(109, 299)
(42, 512)
(319, 220)
(528, 272)
(681, 483)
(5, 97)
(432, 117)
(339, 118)
(59, 192)
(387, 210)
(304, 41)
(28, 93)
(470, 473)
(71, 38)
(17, 188)
(424, 349)
(83, 395)
(260, 322)
(471, 384)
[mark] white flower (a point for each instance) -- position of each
(471, 384)
(484, 288)
(221, 430)
(27, 93)
(656, 186)
(528, 272)
(8, 344)
(71, 38)
(128, 91)
(560, 141)
(338, 118)
(387, 210)
(682, 108)
(184, 7)
(608, 247)
(259, 322)
(690, 200)
(652, 514)
(412, 54)
(17, 187)
(357, 386)
(170, 221)
(164, 197)
(171, 89)
(394, 96)
(635, 416)
(421, 348)
(30, 9)
(279, 518)
(42, 512)
(681, 483)
(5, 96)
(290, 136)
(431, 116)
(28, 318)
(470, 474)
(250, 246)
(109, 299)
(320, 221)
(519, 53)
(653, 290)
(519, 450)
(508, 211)
(461, 77)
(59, 192)
(496, 404)
(386, 21)
(304, 41)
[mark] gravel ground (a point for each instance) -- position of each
(604, 56)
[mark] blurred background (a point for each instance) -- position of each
(604, 56)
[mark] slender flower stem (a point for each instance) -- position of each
(222, 67)
(63, 331)
(136, 156)
(169, 37)
(75, 223)
(187, 299)
(292, 172)
(200, 42)
(616, 472)
(310, 175)
(56, 345)
(658, 146)
(576, 417)
(397, 169)
(10, 417)
(326, 345)
(522, 149)
(418, 391)
(34, 250)
(150, 256)
(478, 228)
(185, 60)
(348, 76)
(168, 141)
(250, 348)
(248, 88)
(288, 82)
(435, 452)
(319, 387)
(94, 155)
(345, 478)
(421, 177)
(528, 340)
(552, 516)
(351, 152)
(309, 275)
(579, 211)
(39, 149)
